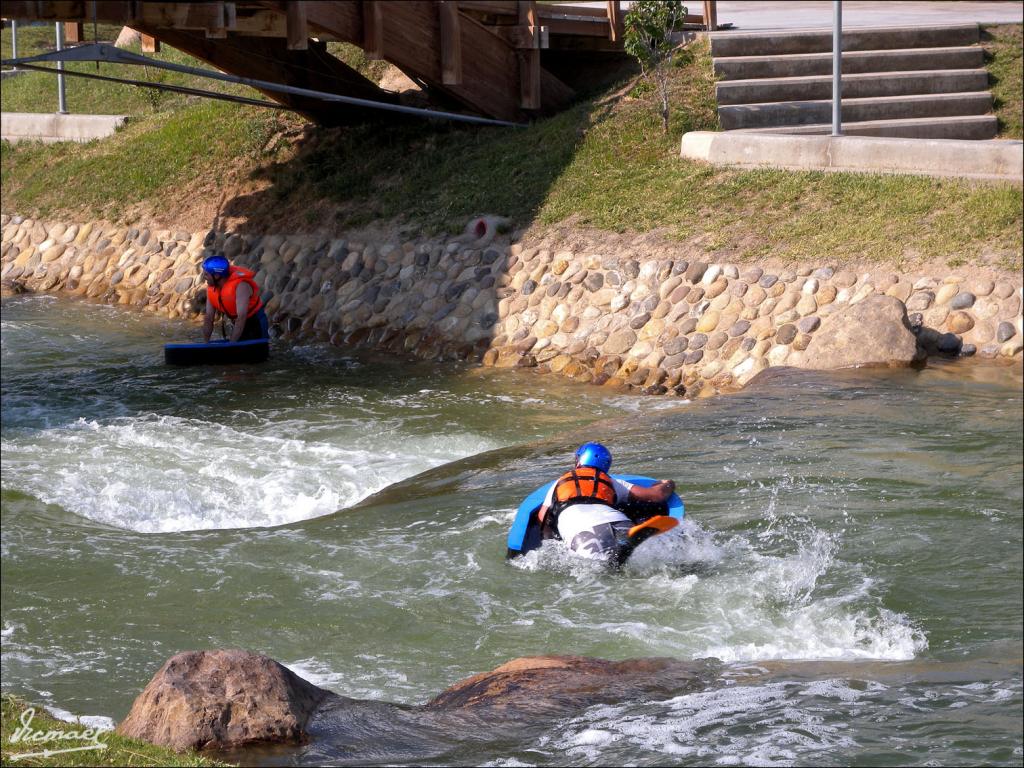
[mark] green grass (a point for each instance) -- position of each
(1004, 63)
(119, 751)
(604, 163)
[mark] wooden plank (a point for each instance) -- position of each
(451, 44)
(73, 32)
(549, 11)
(616, 26)
(529, 60)
(150, 44)
(595, 27)
(373, 29)
(218, 27)
(519, 36)
(710, 15)
(262, 24)
(298, 31)
(494, 7)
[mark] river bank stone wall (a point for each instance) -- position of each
(658, 325)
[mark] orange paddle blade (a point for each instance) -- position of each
(652, 526)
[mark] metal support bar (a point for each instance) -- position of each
(110, 54)
(14, 39)
(165, 87)
(62, 102)
(837, 68)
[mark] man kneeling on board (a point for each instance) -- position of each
(581, 508)
(227, 289)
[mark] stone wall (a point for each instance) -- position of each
(656, 324)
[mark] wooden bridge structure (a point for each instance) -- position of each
(503, 59)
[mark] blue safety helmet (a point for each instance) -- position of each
(216, 265)
(594, 455)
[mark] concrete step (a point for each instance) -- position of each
(858, 39)
(763, 115)
(854, 62)
(854, 86)
(973, 127)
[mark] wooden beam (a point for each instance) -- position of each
(520, 36)
(710, 15)
(73, 32)
(150, 44)
(589, 27)
(298, 31)
(451, 43)
(373, 29)
(529, 60)
(494, 7)
(262, 24)
(218, 28)
(616, 26)
(550, 11)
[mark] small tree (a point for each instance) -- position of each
(649, 26)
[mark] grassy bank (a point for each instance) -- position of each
(118, 751)
(1003, 56)
(604, 163)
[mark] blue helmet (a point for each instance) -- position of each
(216, 265)
(594, 455)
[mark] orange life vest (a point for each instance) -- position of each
(583, 485)
(223, 296)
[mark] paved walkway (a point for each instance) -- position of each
(748, 16)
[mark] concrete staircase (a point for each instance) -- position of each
(910, 82)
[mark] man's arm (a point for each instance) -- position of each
(657, 493)
(208, 321)
(242, 296)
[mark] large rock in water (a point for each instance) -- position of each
(560, 684)
(874, 331)
(230, 699)
(221, 699)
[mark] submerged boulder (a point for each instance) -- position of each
(873, 332)
(227, 699)
(222, 699)
(553, 684)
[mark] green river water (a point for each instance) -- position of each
(857, 536)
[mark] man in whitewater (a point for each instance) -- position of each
(581, 508)
(227, 289)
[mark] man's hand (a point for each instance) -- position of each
(657, 493)
(208, 322)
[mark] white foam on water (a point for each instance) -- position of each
(96, 722)
(366, 677)
(764, 725)
(772, 608)
(155, 473)
(729, 601)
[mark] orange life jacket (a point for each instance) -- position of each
(583, 485)
(223, 296)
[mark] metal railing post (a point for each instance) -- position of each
(62, 102)
(14, 39)
(837, 68)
